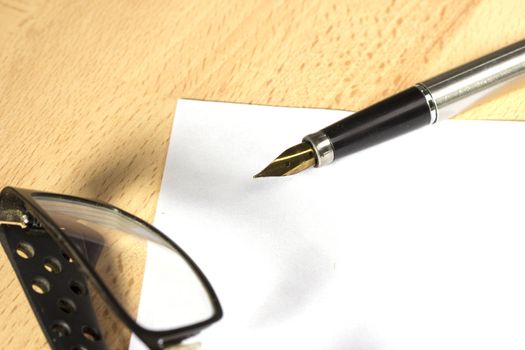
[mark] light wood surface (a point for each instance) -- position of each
(88, 88)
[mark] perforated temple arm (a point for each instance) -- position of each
(55, 288)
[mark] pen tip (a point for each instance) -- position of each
(292, 161)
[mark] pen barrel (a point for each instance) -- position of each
(477, 81)
(397, 115)
(435, 99)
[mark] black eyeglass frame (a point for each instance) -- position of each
(153, 338)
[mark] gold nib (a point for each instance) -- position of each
(292, 161)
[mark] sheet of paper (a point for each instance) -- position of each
(417, 243)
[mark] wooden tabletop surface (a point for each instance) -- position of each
(88, 88)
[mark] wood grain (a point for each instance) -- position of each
(88, 88)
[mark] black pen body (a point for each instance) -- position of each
(439, 98)
(394, 116)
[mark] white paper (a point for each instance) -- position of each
(418, 243)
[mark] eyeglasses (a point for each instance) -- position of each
(80, 263)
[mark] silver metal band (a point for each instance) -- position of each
(324, 150)
(430, 102)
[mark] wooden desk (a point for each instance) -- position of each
(88, 88)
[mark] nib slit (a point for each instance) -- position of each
(292, 161)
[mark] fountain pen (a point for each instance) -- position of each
(424, 103)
